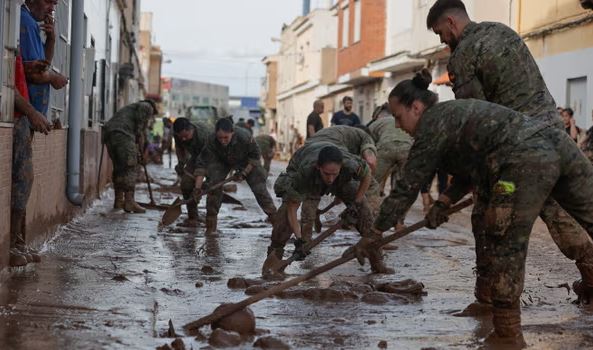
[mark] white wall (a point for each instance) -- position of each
(557, 69)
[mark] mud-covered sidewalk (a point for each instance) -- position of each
(111, 280)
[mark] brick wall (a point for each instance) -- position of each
(48, 205)
(371, 45)
(5, 181)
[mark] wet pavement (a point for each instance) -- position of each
(110, 280)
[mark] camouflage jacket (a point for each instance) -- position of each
(266, 144)
(242, 150)
(462, 137)
(188, 151)
(387, 135)
(131, 120)
(348, 138)
(302, 178)
(492, 63)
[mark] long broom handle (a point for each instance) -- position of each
(311, 244)
(231, 308)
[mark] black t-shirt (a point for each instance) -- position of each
(315, 120)
(341, 118)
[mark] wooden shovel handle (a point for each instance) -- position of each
(215, 316)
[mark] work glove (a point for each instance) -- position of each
(197, 194)
(299, 249)
(436, 215)
(239, 175)
(360, 249)
(179, 169)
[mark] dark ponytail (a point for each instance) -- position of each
(414, 89)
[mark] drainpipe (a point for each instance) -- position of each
(306, 7)
(75, 104)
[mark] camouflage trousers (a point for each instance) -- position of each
(282, 232)
(256, 180)
(22, 164)
(390, 160)
(123, 152)
(267, 163)
(518, 190)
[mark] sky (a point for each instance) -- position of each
(220, 41)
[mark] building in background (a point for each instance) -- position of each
(180, 94)
(268, 94)
(306, 66)
(151, 58)
(559, 34)
(247, 108)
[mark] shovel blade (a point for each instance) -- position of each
(172, 213)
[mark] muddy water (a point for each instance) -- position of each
(111, 280)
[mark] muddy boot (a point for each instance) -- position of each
(483, 304)
(211, 224)
(507, 328)
(377, 263)
(192, 217)
(33, 255)
(270, 268)
(16, 258)
(118, 202)
(584, 287)
(130, 205)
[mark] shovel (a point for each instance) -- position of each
(174, 211)
(152, 202)
(318, 225)
(273, 266)
(192, 327)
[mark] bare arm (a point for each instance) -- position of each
(37, 120)
(311, 130)
(363, 187)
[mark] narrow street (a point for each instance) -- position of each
(113, 281)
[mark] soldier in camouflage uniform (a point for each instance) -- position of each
(350, 139)
(190, 139)
(317, 169)
(267, 147)
(489, 61)
(124, 136)
(357, 141)
(515, 163)
(228, 149)
(393, 145)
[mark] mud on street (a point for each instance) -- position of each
(112, 280)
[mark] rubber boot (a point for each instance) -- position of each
(507, 328)
(377, 263)
(130, 205)
(16, 258)
(211, 224)
(270, 269)
(192, 216)
(584, 287)
(483, 304)
(119, 201)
